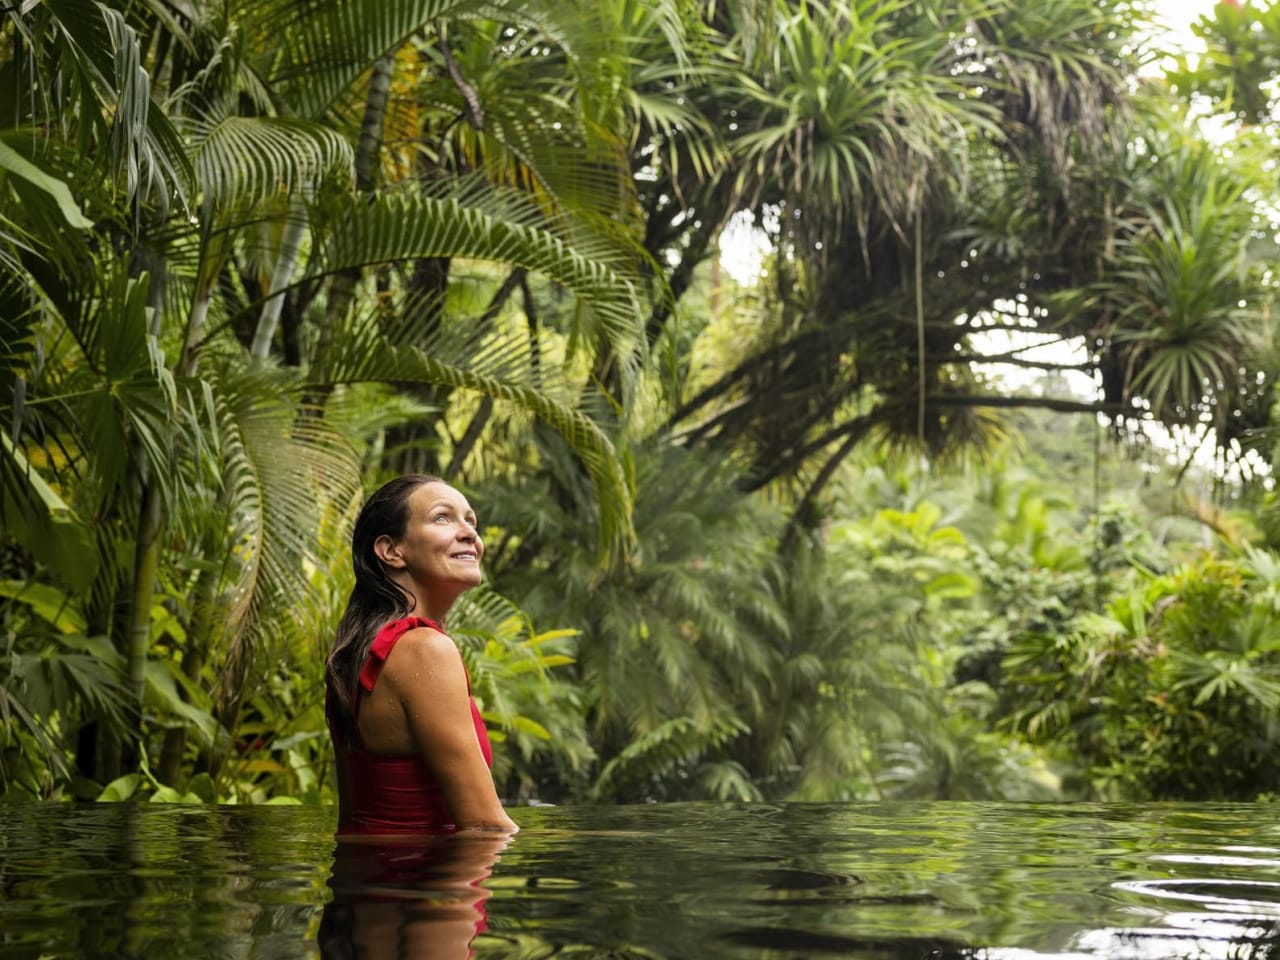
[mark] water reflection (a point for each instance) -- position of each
(741, 882)
(401, 897)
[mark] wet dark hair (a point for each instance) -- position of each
(375, 599)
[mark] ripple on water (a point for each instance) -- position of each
(1254, 897)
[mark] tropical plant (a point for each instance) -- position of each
(254, 257)
(948, 114)
(528, 702)
(151, 422)
(677, 643)
(1173, 693)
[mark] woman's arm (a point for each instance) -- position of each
(428, 677)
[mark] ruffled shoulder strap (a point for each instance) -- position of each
(382, 644)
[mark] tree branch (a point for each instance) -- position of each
(1012, 359)
(804, 509)
(475, 112)
(810, 340)
(464, 446)
(1046, 403)
(857, 428)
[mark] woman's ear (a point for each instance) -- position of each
(388, 551)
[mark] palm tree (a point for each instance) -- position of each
(152, 403)
(677, 645)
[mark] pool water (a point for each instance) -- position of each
(882, 881)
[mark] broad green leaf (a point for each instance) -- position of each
(532, 727)
(19, 166)
(164, 794)
(121, 788)
(951, 586)
(161, 693)
(50, 604)
(201, 786)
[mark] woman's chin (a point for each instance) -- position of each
(471, 578)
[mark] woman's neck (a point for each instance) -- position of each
(432, 605)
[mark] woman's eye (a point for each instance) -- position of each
(442, 517)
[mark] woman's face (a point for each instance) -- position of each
(440, 543)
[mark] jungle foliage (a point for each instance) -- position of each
(794, 535)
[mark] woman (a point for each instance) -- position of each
(412, 753)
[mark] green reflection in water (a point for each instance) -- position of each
(688, 880)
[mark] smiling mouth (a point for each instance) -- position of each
(464, 556)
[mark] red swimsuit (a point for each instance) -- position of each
(392, 794)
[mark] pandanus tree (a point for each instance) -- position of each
(869, 129)
(1234, 80)
(931, 172)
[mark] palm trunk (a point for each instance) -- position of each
(193, 660)
(146, 563)
(195, 330)
(922, 380)
(470, 438)
(119, 756)
(342, 289)
(290, 248)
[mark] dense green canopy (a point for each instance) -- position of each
(257, 257)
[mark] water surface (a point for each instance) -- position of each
(771, 882)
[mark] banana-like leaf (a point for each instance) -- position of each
(40, 519)
(49, 603)
(121, 788)
(161, 693)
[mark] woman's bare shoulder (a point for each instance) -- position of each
(423, 653)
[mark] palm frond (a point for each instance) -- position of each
(334, 43)
(400, 228)
(1058, 69)
(850, 111)
(1179, 288)
(281, 474)
(372, 358)
(241, 162)
(538, 144)
(656, 755)
(52, 682)
(100, 55)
